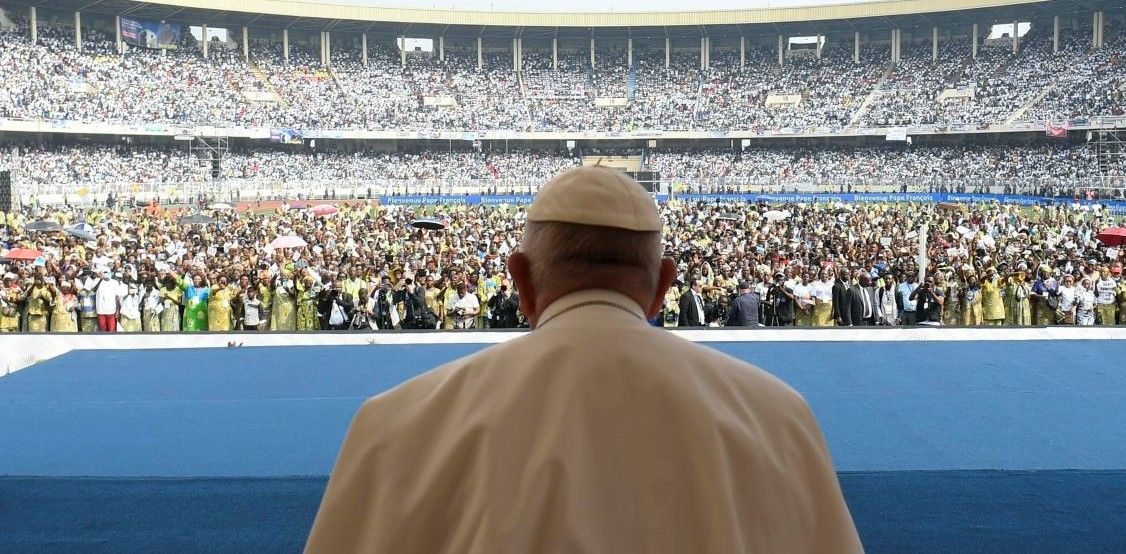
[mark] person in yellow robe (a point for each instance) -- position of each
(266, 297)
(1020, 299)
(11, 298)
(436, 305)
(307, 295)
(972, 313)
(1122, 301)
(595, 432)
(284, 304)
(64, 308)
(38, 305)
(992, 305)
(170, 298)
(219, 305)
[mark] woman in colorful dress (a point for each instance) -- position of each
(952, 299)
(195, 302)
(284, 303)
(307, 293)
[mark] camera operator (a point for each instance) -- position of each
(928, 303)
(503, 306)
(384, 305)
(464, 307)
(779, 303)
(336, 307)
(413, 297)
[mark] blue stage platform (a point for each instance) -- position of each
(992, 446)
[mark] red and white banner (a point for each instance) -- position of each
(1056, 131)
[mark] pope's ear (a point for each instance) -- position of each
(664, 281)
(520, 268)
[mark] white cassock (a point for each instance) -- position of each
(594, 433)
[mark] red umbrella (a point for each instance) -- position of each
(25, 254)
(323, 209)
(1112, 236)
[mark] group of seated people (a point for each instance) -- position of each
(52, 80)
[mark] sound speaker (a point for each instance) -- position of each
(5, 191)
(214, 168)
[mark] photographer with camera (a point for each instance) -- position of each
(780, 302)
(384, 315)
(417, 314)
(335, 307)
(464, 307)
(504, 306)
(928, 302)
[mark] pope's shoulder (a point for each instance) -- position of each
(592, 361)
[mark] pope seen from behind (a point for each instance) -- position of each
(595, 432)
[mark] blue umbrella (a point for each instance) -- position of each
(84, 231)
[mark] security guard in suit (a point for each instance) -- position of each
(594, 432)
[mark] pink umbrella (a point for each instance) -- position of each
(289, 241)
(324, 209)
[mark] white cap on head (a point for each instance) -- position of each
(599, 196)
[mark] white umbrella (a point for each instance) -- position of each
(288, 241)
(221, 206)
(776, 215)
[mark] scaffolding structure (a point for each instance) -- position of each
(1110, 155)
(209, 153)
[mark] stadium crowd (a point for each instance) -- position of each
(58, 168)
(369, 267)
(52, 81)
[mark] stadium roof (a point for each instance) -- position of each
(319, 16)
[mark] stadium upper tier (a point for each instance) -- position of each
(733, 86)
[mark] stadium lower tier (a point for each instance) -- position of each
(987, 445)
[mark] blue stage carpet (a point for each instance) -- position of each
(912, 426)
(896, 512)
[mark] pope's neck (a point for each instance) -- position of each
(569, 301)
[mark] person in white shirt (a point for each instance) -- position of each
(107, 300)
(1065, 311)
(251, 316)
(1106, 290)
(465, 308)
(1085, 304)
(130, 314)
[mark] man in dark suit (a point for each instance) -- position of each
(744, 309)
(860, 307)
(692, 306)
(840, 292)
